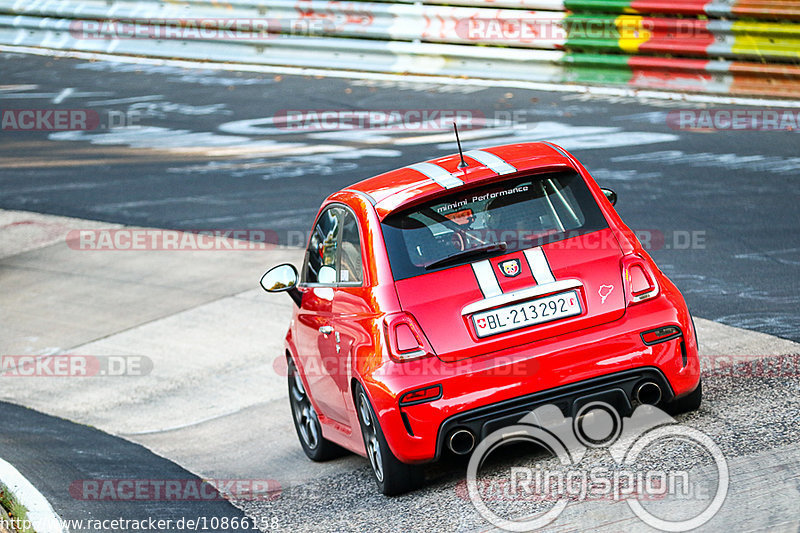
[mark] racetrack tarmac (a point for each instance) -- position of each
(68, 462)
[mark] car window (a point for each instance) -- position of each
(519, 213)
(350, 268)
(323, 247)
(334, 244)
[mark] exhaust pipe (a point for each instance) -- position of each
(648, 393)
(461, 441)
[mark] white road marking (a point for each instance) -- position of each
(756, 163)
(131, 100)
(41, 514)
(14, 95)
(399, 85)
(5, 88)
(163, 109)
(446, 137)
(605, 174)
(63, 95)
(566, 135)
(773, 255)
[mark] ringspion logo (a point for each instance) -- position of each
(634, 444)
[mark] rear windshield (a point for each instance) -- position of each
(473, 224)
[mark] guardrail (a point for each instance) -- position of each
(534, 40)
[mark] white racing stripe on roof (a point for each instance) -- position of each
(437, 174)
(540, 268)
(556, 148)
(486, 278)
(492, 161)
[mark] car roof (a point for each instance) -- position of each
(409, 185)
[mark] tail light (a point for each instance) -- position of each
(405, 338)
(640, 282)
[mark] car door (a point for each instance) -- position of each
(352, 313)
(316, 341)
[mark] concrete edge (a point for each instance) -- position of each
(41, 514)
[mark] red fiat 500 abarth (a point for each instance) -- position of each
(439, 302)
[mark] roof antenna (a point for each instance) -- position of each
(463, 163)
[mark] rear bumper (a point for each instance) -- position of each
(617, 389)
(483, 393)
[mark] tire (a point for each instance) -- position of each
(306, 422)
(392, 476)
(690, 402)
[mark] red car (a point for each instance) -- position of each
(442, 300)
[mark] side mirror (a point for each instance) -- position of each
(611, 196)
(282, 278)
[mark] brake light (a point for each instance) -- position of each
(662, 334)
(405, 338)
(640, 282)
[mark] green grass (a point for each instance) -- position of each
(14, 509)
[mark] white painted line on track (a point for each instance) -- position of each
(41, 514)
(444, 80)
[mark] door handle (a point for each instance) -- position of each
(326, 330)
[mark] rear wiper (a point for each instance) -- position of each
(487, 248)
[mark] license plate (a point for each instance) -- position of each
(525, 314)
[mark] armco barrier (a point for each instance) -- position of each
(742, 48)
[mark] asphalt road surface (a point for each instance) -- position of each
(203, 149)
(83, 474)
